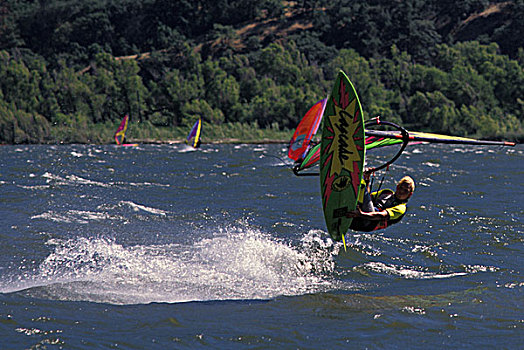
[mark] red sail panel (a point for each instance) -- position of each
(120, 134)
(306, 129)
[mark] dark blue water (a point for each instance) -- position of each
(162, 247)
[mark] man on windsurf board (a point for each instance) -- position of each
(382, 208)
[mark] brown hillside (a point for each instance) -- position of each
(295, 19)
(484, 22)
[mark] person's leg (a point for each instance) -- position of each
(367, 203)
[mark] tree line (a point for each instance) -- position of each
(69, 72)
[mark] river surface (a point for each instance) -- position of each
(162, 247)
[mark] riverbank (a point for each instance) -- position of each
(222, 141)
(147, 133)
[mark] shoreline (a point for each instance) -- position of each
(162, 142)
(215, 142)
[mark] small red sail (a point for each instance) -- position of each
(306, 129)
(120, 134)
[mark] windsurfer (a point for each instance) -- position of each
(382, 208)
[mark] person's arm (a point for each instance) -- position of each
(397, 211)
(365, 176)
(375, 215)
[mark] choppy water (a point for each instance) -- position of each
(163, 247)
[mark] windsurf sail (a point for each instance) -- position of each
(310, 159)
(313, 156)
(306, 129)
(120, 134)
(381, 138)
(193, 138)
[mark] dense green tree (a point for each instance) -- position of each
(173, 92)
(19, 85)
(509, 35)
(18, 126)
(370, 89)
(9, 31)
(222, 91)
(71, 69)
(195, 109)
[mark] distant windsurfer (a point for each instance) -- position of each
(382, 208)
(197, 145)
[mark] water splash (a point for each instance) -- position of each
(235, 263)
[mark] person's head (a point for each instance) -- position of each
(405, 188)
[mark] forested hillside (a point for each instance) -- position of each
(70, 69)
